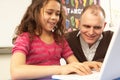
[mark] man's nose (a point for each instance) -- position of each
(91, 31)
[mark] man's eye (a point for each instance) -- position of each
(86, 26)
(97, 27)
(57, 14)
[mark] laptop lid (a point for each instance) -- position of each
(111, 66)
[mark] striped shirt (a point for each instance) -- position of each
(39, 53)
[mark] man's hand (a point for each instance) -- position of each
(94, 65)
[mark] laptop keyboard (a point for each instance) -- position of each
(94, 76)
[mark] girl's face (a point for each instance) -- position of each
(49, 15)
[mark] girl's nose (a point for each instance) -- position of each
(54, 16)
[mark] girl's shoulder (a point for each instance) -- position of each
(24, 36)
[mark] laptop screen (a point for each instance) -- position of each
(110, 68)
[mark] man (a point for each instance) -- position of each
(90, 42)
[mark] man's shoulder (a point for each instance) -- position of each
(73, 34)
(108, 32)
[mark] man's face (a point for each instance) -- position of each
(91, 26)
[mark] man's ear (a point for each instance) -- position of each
(105, 24)
(79, 23)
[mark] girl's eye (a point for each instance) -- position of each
(49, 13)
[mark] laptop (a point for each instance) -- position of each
(110, 69)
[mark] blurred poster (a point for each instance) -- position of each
(73, 10)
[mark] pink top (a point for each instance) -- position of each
(39, 53)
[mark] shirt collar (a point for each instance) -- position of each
(78, 34)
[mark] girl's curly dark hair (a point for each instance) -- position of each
(31, 23)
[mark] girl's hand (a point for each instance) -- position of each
(75, 67)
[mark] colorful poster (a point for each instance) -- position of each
(73, 10)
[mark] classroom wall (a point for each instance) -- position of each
(5, 66)
(11, 12)
(112, 10)
(106, 6)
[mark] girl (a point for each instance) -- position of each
(40, 44)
